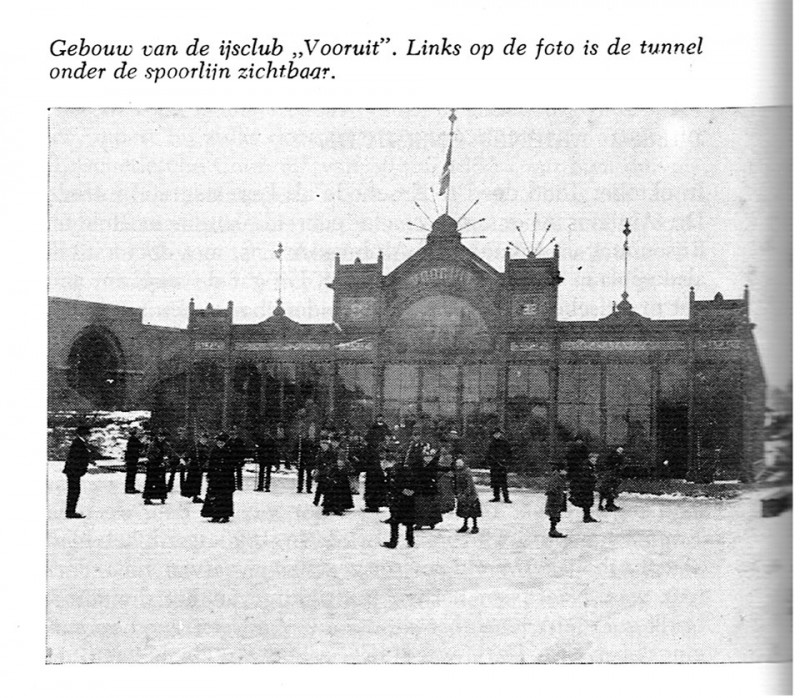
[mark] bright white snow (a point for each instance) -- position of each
(662, 580)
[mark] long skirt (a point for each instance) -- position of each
(193, 484)
(447, 497)
(155, 483)
(218, 503)
(468, 508)
(426, 510)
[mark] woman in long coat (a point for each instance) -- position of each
(155, 483)
(336, 488)
(424, 463)
(581, 486)
(469, 505)
(197, 464)
(444, 479)
(222, 464)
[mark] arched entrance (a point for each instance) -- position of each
(97, 368)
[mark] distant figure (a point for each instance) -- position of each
(498, 458)
(581, 486)
(222, 464)
(468, 504)
(132, 453)
(237, 453)
(556, 494)
(610, 479)
(268, 457)
(444, 478)
(196, 465)
(155, 483)
(75, 467)
(178, 458)
(324, 465)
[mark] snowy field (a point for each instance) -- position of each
(666, 579)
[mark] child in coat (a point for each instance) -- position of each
(556, 492)
(468, 505)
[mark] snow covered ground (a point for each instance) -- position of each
(663, 580)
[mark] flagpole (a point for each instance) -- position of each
(452, 118)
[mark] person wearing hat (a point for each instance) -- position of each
(155, 483)
(267, 457)
(218, 505)
(196, 465)
(498, 458)
(402, 484)
(133, 450)
(238, 452)
(556, 494)
(75, 467)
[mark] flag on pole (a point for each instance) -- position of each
(444, 181)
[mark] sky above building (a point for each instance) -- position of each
(149, 208)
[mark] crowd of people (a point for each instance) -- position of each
(417, 481)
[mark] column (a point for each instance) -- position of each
(262, 393)
(603, 405)
(655, 397)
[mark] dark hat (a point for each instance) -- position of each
(497, 430)
(222, 436)
(82, 430)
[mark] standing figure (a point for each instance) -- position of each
(468, 504)
(402, 483)
(444, 479)
(424, 463)
(610, 479)
(132, 452)
(306, 453)
(582, 482)
(498, 458)
(336, 497)
(237, 453)
(222, 464)
(282, 440)
(155, 483)
(555, 491)
(268, 457)
(325, 463)
(75, 467)
(374, 479)
(178, 460)
(376, 434)
(576, 455)
(196, 465)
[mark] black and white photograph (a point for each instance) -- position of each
(419, 386)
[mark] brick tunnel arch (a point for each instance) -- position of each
(96, 368)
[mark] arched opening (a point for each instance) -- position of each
(96, 369)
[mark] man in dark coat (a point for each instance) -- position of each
(155, 482)
(268, 457)
(555, 492)
(610, 479)
(582, 482)
(377, 433)
(576, 456)
(306, 452)
(222, 463)
(196, 465)
(498, 458)
(402, 483)
(75, 467)
(178, 459)
(237, 452)
(133, 451)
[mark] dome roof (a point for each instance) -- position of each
(444, 228)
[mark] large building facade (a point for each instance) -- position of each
(444, 341)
